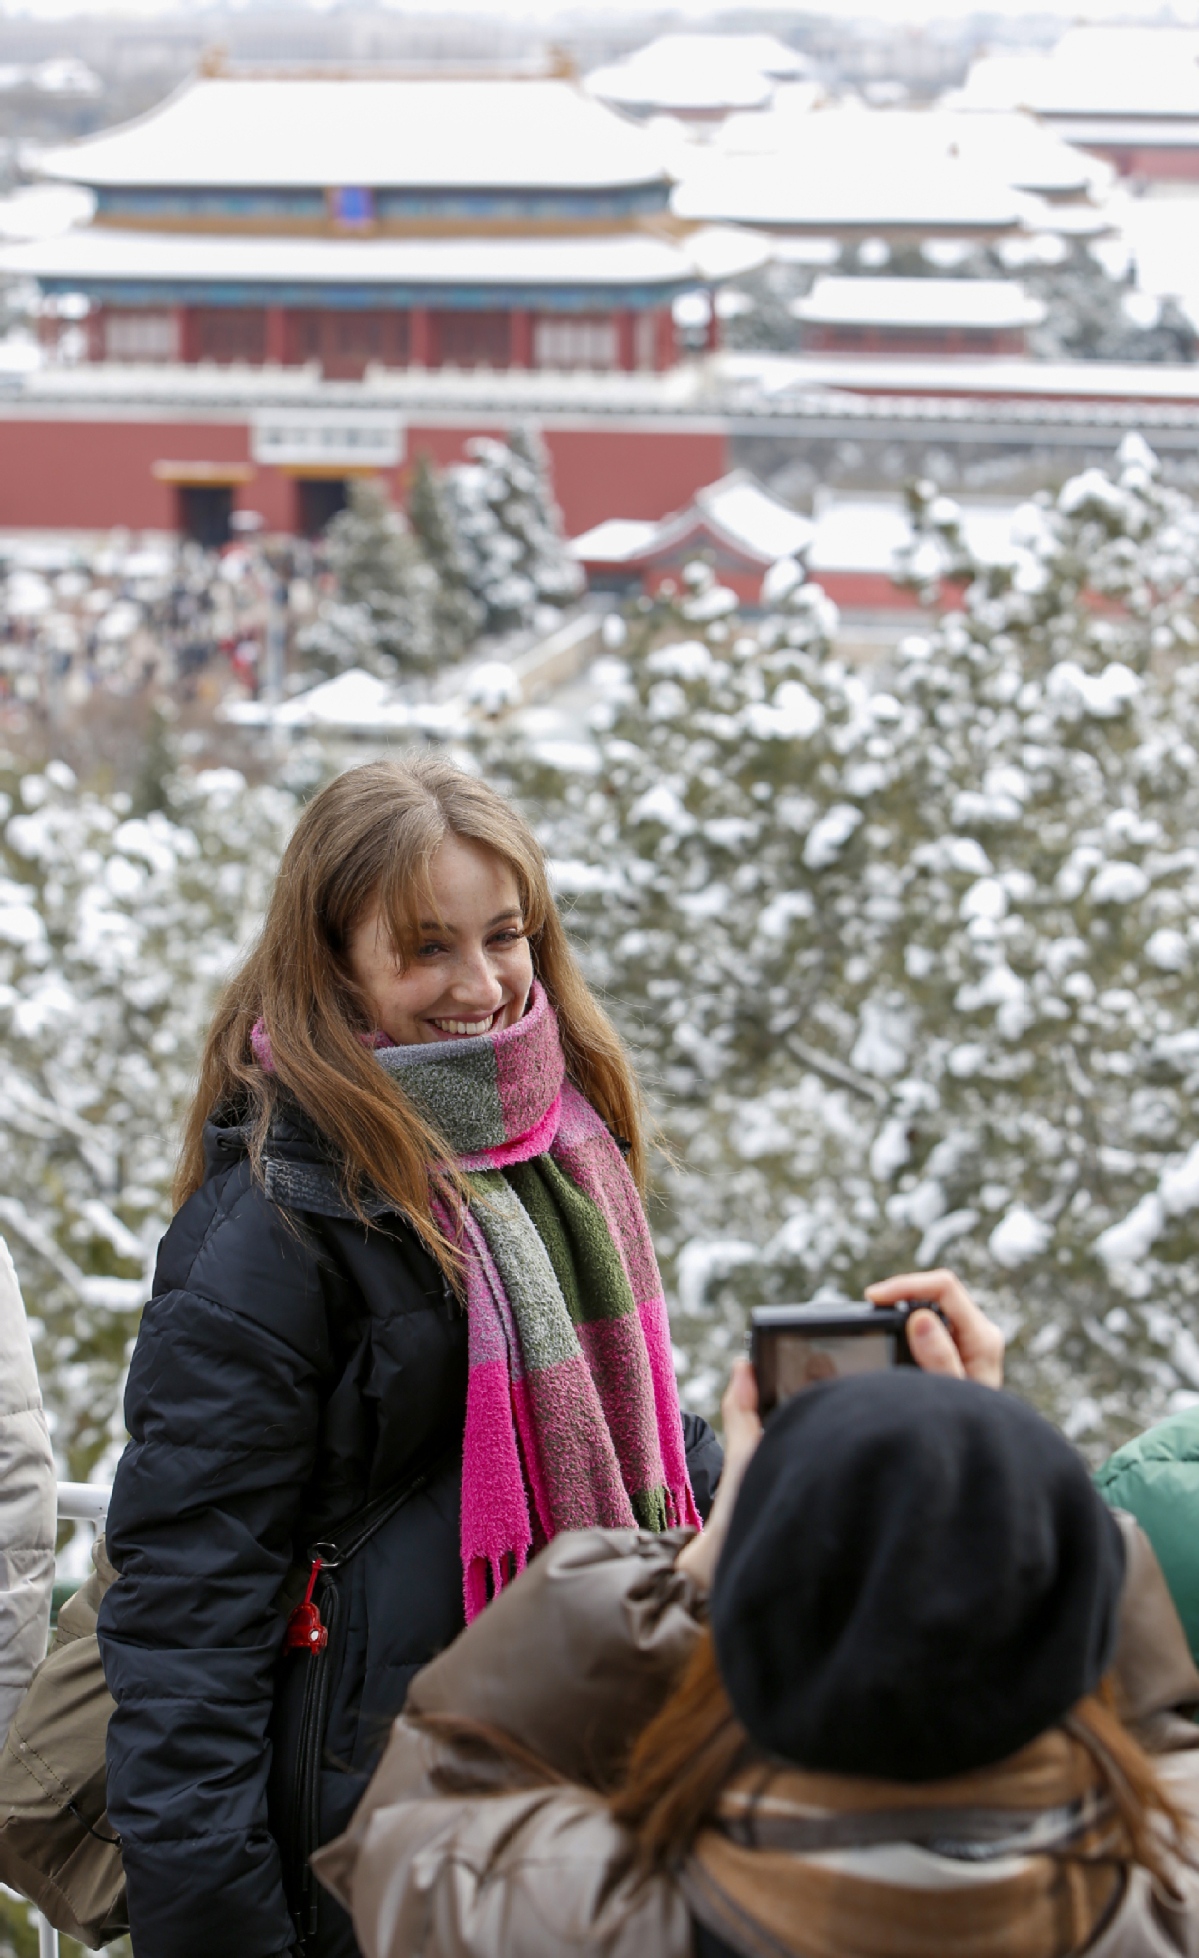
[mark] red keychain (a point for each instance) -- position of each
(305, 1632)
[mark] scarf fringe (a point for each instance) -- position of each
(484, 1577)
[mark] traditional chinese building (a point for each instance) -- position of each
(736, 525)
(940, 180)
(703, 78)
(917, 316)
(355, 222)
(290, 280)
(1128, 94)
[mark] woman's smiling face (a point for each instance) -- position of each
(471, 972)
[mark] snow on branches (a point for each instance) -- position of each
(116, 930)
(480, 551)
(912, 955)
(508, 532)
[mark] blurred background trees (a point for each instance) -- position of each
(912, 964)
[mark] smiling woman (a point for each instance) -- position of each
(407, 1326)
(472, 970)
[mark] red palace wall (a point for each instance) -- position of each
(600, 473)
(604, 472)
(1164, 165)
(85, 475)
(92, 475)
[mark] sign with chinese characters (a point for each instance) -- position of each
(325, 438)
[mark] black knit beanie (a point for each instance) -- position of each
(918, 1579)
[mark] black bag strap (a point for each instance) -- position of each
(356, 1531)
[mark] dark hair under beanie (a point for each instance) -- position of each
(918, 1579)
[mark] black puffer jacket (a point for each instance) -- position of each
(293, 1365)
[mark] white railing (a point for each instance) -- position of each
(83, 1502)
(78, 1502)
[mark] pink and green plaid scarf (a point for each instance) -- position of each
(572, 1414)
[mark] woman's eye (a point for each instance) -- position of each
(430, 951)
(512, 937)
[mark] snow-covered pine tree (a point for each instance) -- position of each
(914, 958)
(457, 613)
(1091, 315)
(509, 532)
(1051, 910)
(382, 614)
(116, 929)
(758, 310)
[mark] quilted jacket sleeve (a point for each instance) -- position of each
(27, 1503)
(222, 1408)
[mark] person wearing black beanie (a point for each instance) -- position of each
(918, 1579)
(913, 1693)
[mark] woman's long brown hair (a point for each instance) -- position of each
(680, 1765)
(369, 838)
(683, 1760)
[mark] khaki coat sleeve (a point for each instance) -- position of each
(571, 1660)
(578, 1654)
(488, 1877)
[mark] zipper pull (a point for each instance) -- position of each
(305, 1632)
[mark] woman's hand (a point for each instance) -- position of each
(972, 1348)
(742, 1433)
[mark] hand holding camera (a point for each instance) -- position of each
(945, 1333)
(924, 1319)
(961, 1340)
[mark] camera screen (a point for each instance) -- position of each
(798, 1360)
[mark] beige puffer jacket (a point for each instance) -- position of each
(28, 1515)
(572, 1660)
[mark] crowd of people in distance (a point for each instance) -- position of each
(432, 1623)
(129, 617)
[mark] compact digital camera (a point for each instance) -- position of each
(794, 1346)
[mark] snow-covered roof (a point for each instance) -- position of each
(99, 254)
(1021, 150)
(998, 82)
(614, 540)
(753, 517)
(1012, 147)
(838, 175)
(866, 533)
(266, 132)
(738, 511)
(853, 169)
(1142, 132)
(861, 384)
(698, 73)
(847, 533)
(977, 303)
(1095, 71)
